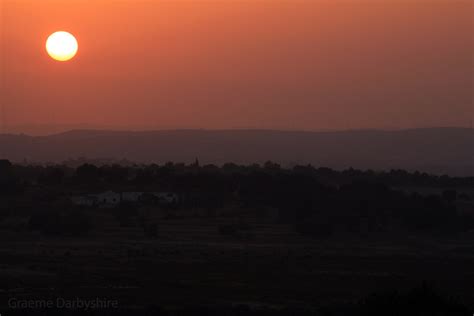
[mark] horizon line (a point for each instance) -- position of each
(145, 130)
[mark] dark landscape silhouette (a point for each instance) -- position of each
(186, 239)
(434, 150)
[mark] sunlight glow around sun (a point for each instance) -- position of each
(61, 46)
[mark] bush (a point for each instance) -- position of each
(424, 300)
(74, 223)
(151, 230)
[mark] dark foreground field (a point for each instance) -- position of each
(234, 240)
(190, 265)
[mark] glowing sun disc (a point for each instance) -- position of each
(61, 46)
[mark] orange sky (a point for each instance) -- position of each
(294, 64)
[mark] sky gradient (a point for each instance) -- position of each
(220, 64)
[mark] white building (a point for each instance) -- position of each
(108, 198)
(111, 198)
(85, 200)
(105, 199)
(166, 197)
(131, 196)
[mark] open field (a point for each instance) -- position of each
(190, 263)
(263, 237)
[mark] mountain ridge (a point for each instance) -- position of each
(436, 150)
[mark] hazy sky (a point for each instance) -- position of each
(294, 64)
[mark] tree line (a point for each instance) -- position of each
(318, 202)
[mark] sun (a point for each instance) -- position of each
(61, 46)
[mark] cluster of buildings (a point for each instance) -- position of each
(112, 199)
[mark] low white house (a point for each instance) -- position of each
(111, 198)
(166, 197)
(105, 199)
(131, 196)
(108, 198)
(85, 200)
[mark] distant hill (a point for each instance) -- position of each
(434, 150)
